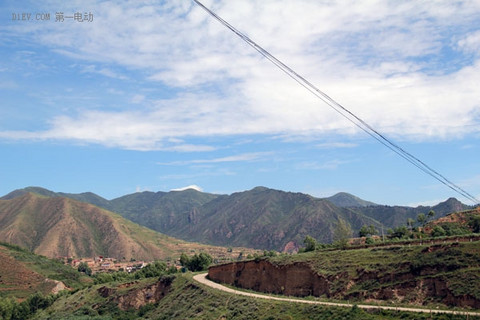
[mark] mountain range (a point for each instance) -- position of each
(58, 226)
(260, 218)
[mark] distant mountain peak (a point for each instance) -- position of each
(347, 200)
(31, 189)
(260, 188)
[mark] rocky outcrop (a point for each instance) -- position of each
(137, 297)
(58, 286)
(299, 279)
(291, 247)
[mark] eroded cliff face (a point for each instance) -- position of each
(299, 279)
(294, 280)
(136, 297)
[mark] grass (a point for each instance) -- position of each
(24, 273)
(388, 259)
(188, 299)
(397, 271)
(49, 268)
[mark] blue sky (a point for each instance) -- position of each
(156, 95)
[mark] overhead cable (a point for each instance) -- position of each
(350, 116)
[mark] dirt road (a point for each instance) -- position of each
(202, 278)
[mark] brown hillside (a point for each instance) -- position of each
(56, 227)
(16, 278)
(461, 219)
(446, 273)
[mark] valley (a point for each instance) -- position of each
(430, 263)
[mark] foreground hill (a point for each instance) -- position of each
(58, 226)
(180, 297)
(23, 273)
(457, 223)
(445, 273)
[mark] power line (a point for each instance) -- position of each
(350, 116)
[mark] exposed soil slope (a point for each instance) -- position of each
(449, 274)
(23, 273)
(58, 227)
(16, 277)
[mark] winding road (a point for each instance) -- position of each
(202, 278)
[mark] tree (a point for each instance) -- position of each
(342, 233)
(367, 231)
(431, 214)
(475, 224)
(310, 243)
(103, 277)
(20, 311)
(200, 262)
(197, 262)
(6, 307)
(363, 232)
(271, 253)
(38, 301)
(422, 219)
(410, 223)
(184, 259)
(155, 269)
(398, 232)
(438, 231)
(83, 267)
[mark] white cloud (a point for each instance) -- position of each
(137, 98)
(219, 172)
(315, 165)
(331, 145)
(193, 186)
(470, 43)
(8, 85)
(103, 71)
(374, 58)
(141, 189)
(252, 156)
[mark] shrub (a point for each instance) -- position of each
(438, 231)
(197, 262)
(83, 267)
(155, 269)
(310, 243)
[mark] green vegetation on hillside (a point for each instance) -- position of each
(13, 310)
(152, 270)
(403, 268)
(260, 218)
(187, 299)
(28, 272)
(198, 262)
